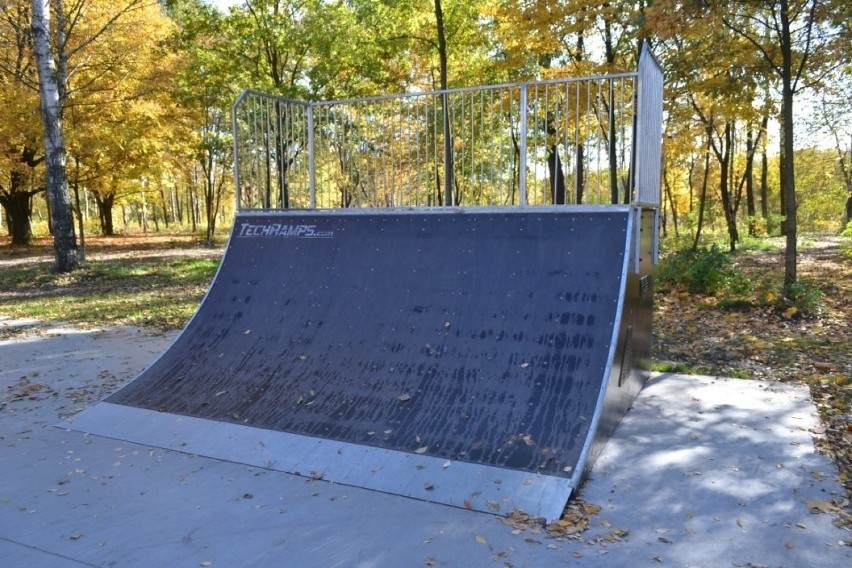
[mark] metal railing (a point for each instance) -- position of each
(583, 140)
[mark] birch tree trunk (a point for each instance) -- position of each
(50, 90)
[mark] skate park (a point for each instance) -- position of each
(367, 356)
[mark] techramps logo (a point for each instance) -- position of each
(280, 230)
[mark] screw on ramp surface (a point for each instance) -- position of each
(458, 356)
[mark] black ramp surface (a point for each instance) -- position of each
(475, 336)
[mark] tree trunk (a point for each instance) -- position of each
(580, 173)
(764, 175)
(670, 199)
(725, 158)
(788, 179)
(81, 226)
(18, 208)
(557, 177)
(449, 198)
(749, 184)
(702, 198)
(165, 204)
(105, 204)
(849, 207)
(50, 89)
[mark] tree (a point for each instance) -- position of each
(20, 134)
(119, 116)
(794, 41)
(52, 85)
(835, 119)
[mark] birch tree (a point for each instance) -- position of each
(51, 92)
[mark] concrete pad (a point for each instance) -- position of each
(702, 472)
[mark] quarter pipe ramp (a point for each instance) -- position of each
(478, 358)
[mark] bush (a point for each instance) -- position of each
(704, 271)
(806, 297)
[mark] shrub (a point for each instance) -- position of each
(806, 297)
(705, 271)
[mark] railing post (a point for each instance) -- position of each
(312, 170)
(235, 132)
(522, 149)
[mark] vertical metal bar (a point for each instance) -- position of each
(236, 166)
(522, 149)
(311, 157)
(494, 151)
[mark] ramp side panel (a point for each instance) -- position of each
(632, 353)
(481, 337)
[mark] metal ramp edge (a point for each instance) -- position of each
(457, 483)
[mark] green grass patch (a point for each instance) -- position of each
(673, 367)
(155, 292)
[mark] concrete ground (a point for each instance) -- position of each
(701, 472)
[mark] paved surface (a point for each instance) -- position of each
(702, 472)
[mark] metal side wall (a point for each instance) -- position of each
(628, 371)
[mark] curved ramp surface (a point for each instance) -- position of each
(455, 356)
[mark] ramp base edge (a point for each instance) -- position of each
(461, 484)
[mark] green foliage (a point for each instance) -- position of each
(761, 244)
(683, 368)
(805, 297)
(846, 246)
(703, 271)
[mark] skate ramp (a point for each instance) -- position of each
(469, 357)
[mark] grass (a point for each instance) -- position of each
(156, 292)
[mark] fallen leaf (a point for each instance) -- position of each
(820, 506)
(404, 398)
(481, 539)
(421, 450)
(430, 561)
(75, 535)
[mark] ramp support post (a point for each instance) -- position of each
(312, 158)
